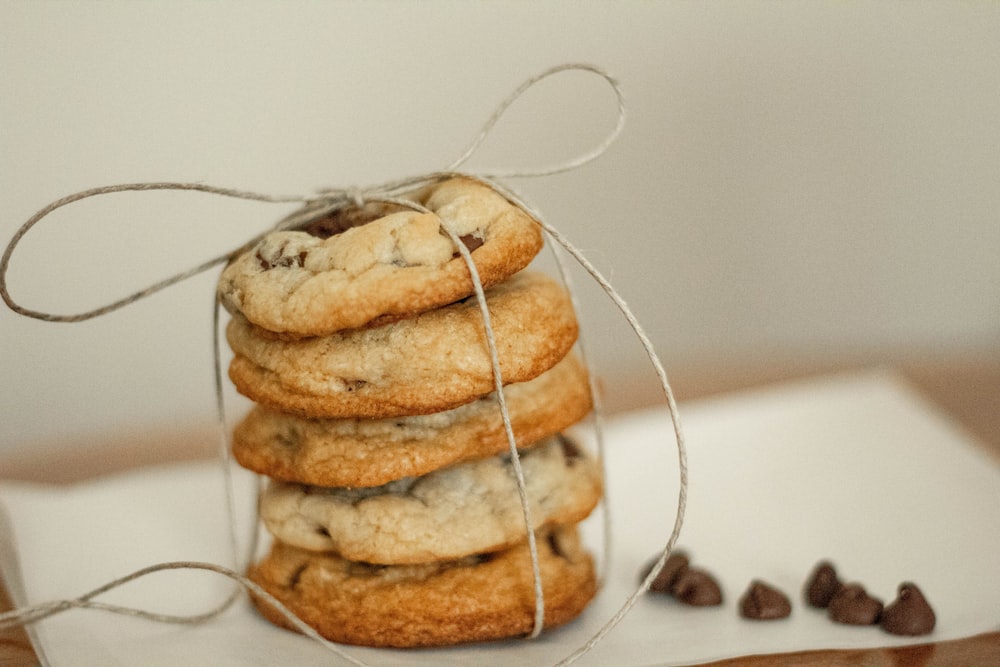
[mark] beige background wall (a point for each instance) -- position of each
(796, 182)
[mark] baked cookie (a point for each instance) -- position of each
(379, 263)
(477, 598)
(428, 363)
(370, 452)
(472, 507)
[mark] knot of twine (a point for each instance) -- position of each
(314, 207)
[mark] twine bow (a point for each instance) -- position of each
(316, 206)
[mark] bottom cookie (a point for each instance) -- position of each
(477, 598)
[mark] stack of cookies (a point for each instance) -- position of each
(392, 500)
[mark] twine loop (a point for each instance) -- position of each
(316, 205)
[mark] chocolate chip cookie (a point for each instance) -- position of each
(427, 363)
(469, 508)
(369, 452)
(475, 598)
(380, 262)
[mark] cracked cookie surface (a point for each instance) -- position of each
(469, 508)
(428, 363)
(379, 263)
(370, 452)
(471, 599)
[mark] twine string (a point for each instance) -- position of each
(596, 416)
(498, 386)
(673, 410)
(44, 610)
(314, 207)
(144, 292)
(559, 167)
(515, 458)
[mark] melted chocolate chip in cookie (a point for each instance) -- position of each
(281, 259)
(570, 450)
(469, 241)
(340, 220)
(295, 576)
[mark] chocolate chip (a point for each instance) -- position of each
(696, 587)
(359, 569)
(296, 575)
(280, 260)
(822, 585)
(339, 221)
(852, 605)
(471, 242)
(676, 563)
(353, 385)
(570, 450)
(763, 602)
(909, 614)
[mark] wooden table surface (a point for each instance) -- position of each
(967, 390)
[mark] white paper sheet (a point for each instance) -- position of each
(856, 468)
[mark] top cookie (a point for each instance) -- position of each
(379, 263)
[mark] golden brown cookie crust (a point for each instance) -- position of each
(473, 507)
(370, 452)
(395, 266)
(432, 362)
(403, 606)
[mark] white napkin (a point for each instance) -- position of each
(856, 469)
